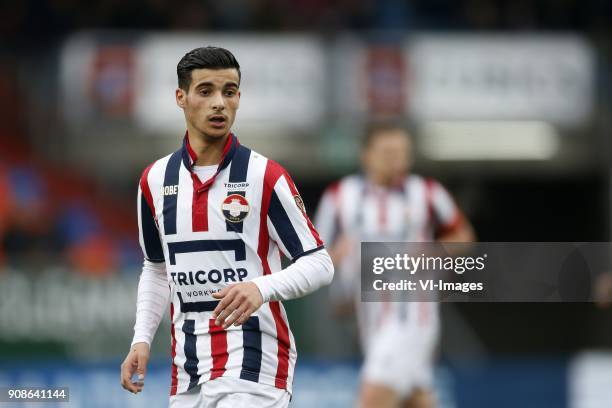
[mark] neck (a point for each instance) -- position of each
(386, 182)
(209, 150)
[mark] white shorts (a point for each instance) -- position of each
(402, 358)
(227, 392)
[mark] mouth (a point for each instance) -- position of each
(217, 121)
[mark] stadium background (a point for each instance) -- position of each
(510, 104)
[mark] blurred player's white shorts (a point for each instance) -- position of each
(402, 357)
(226, 392)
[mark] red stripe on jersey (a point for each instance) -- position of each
(199, 206)
(294, 191)
(452, 226)
(192, 154)
(174, 377)
(218, 349)
(284, 342)
(438, 227)
(382, 210)
(146, 190)
(431, 219)
(271, 176)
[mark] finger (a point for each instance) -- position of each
(237, 314)
(225, 313)
(127, 369)
(227, 300)
(141, 370)
(222, 293)
(243, 318)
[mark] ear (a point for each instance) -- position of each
(181, 97)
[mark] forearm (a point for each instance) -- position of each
(304, 276)
(153, 297)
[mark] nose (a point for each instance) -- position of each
(218, 102)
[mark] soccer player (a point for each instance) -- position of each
(387, 203)
(214, 217)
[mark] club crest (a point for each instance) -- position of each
(299, 202)
(235, 208)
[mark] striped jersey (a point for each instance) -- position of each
(417, 209)
(211, 233)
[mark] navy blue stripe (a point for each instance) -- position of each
(238, 174)
(283, 226)
(230, 153)
(204, 306)
(191, 363)
(150, 235)
(171, 178)
(205, 245)
(251, 360)
(240, 165)
(310, 251)
(234, 226)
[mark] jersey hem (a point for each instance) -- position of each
(263, 379)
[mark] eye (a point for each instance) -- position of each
(205, 92)
(230, 92)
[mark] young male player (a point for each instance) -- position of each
(214, 217)
(387, 203)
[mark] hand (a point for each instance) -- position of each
(238, 302)
(603, 290)
(136, 361)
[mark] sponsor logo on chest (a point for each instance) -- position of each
(170, 190)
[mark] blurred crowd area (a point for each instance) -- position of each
(51, 215)
(33, 20)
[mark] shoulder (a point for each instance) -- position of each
(351, 185)
(335, 186)
(417, 179)
(265, 168)
(153, 174)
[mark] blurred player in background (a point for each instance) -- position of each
(214, 217)
(388, 203)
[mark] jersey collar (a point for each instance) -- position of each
(398, 186)
(190, 157)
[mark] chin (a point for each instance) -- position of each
(217, 133)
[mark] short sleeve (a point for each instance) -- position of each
(327, 218)
(148, 232)
(446, 214)
(288, 223)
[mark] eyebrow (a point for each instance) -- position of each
(226, 85)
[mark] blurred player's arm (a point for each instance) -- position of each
(450, 224)
(603, 290)
(289, 227)
(340, 245)
(461, 231)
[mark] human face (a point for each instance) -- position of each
(388, 156)
(211, 102)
